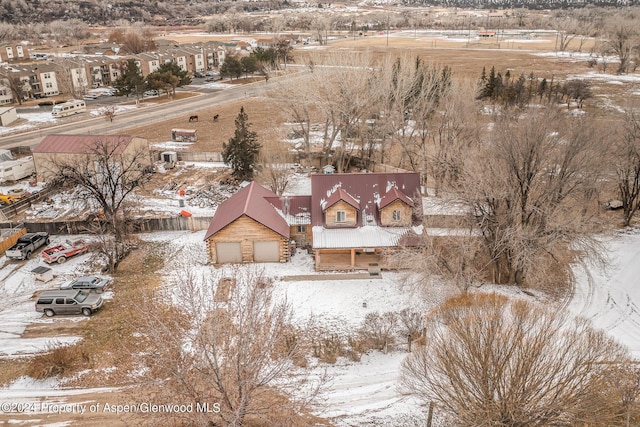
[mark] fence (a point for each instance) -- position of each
(7, 213)
(136, 225)
(188, 156)
(9, 237)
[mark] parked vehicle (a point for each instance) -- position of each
(68, 302)
(91, 96)
(13, 170)
(151, 93)
(213, 78)
(87, 283)
(6, 199)
(198, 75)
(69, 108)
(27, 244)
(60, 253)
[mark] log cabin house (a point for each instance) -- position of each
(348, 222)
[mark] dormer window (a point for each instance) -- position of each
(341, 216)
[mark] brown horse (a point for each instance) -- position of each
(193, 119)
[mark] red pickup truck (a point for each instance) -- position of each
(60, 253)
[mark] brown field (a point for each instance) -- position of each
(465, 59)
(264, 117)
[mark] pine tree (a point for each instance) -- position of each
(130, 80)
(241, 153)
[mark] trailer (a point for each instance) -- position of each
(13, 170)
(184, 135)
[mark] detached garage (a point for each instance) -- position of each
(248, 228)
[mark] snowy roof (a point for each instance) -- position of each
(251, 201)
(296, 210)
(362, 237)
(365, 191)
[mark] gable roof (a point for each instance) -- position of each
(340, 194)
(80, 144)
(252, 202)
(393, 195)
(367, 189)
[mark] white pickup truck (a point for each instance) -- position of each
(27, 244)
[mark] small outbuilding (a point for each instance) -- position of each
(42, 273)
(184, 135)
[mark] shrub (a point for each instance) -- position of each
(377, 331)
(58, 360)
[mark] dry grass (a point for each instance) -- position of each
(264, 118)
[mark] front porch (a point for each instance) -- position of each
(349, 260)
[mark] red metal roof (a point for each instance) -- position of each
(296, 210)
(393, 195)
(80, 144)
(368, 189)
(252, 202)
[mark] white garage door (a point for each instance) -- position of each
(266, 251)
(228, 252)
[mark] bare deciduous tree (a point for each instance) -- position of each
(623, 40)
(627, 163)
(489, 360)
(231, 344)
(336, 98)
(275, 170)
(109, 112)
(108, 175)
(531, 190)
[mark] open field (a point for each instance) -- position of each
(466, 57)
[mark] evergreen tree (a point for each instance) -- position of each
(168, 75)
(231, 67)
(130, 80)
(241, 153)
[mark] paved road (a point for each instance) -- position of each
(137, 117)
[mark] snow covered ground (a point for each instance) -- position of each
(17, 287)
(610, 297)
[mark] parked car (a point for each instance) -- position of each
(87, 283)
(90, 96)
(60, 253)
(198, 75)
(151, 93)
(68, 302)
(213, 78)
(27, 244)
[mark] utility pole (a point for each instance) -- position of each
(387, 29)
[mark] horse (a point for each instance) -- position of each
(215, 118)
(193, 119)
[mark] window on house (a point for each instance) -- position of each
(302, 229)
(46, 75)
(49, 85)
(396, 215)
(341, 216)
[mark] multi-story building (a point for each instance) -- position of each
(103, 71)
